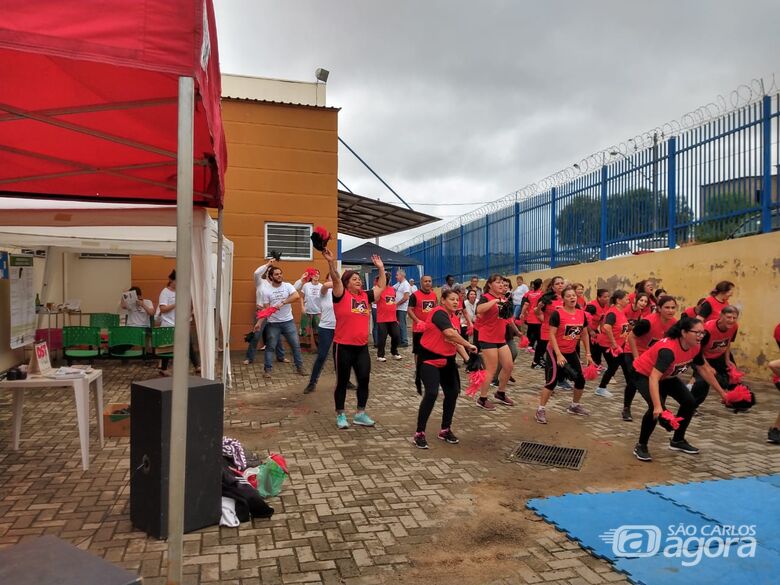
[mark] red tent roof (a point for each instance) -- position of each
(88, 99)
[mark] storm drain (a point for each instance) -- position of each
(549, 455)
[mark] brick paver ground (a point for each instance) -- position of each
(361, 502)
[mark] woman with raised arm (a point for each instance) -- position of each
(351, 305)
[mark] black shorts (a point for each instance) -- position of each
(552, 371)
(489, 345)
(416, 337)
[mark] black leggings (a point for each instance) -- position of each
(700, 386)
(596, 351)
(630, 391)
(613, 363)
(533, 331)
(347, 358)
(673, 387)
(433, 377)
(552, 371)
(388, 328)
(541, 350)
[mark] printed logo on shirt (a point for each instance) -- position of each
(359, 306)
(631, 322)
(719, 344)
(680, 369)
(390, 300)
(428, 306)
(625, 329)
(572, 331)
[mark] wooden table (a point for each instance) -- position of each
(80, 387)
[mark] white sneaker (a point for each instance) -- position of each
(381, 359)
(398, 356)
(603, 392)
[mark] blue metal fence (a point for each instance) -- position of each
(714, 181)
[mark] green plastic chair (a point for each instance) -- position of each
(162, 341)
(126, 342)
(80, 343)
(103, 320)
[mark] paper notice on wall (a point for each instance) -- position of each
(22, 300)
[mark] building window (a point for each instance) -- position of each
(293, 240)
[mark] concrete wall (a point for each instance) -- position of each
(689, 273)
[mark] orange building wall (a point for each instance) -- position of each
(282, 166)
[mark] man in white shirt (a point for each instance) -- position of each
(403, 291)
(137, 312)
(413, 286)
(281, 295)
(167, 308)
(518, 294)
(261, 283)
(310, 304)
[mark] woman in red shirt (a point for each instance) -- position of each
(711, 307)
(352, 307)
(438, 345)
(492, 341)
(549, 301)
(612, 339)
(639, 309)
(568, 324)
(774, 366)
(657, 376)
(646, 286)
(645, 333)
(580, 290)
(716, 348)
(595, 310)
(387, 322)
(528, 314)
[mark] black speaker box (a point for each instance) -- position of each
(150, 443)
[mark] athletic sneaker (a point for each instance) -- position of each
(683, 446)
(603, 392)
(773, 436)
(485, 403)
(447, 436)
(266, 373)
(502, 398)
(641, 452)
(381, 359)
(541, 416)
(512, 380)
(362, 419)
(626, 414)
(419, 441)
(341, 421)
(564, 385)
(398, 356)
(577, 409)
(309, 388)
(537, 366)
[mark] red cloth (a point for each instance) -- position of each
(476, 379)
(673, 421)
(591, 372)
(108, 67)
(263, 313)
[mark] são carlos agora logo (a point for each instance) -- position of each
(687, 542)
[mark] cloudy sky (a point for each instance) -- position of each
(457, 103)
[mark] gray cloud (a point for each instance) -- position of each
(455, 101)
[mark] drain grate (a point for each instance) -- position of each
(549, 455)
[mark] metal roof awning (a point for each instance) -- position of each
(367, 218)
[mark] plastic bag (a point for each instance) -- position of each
(271, 475)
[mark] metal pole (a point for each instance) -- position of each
(766, 179)
(671, 192)
(655, 183)
(181, 338)
(553, 234)
(218, 296)
(603, 213)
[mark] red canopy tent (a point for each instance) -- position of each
(109, 100)
(88, 99)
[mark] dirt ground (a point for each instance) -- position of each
(480, 540)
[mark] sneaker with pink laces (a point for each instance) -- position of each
(577, 409)
(502, 398)
(541, 416)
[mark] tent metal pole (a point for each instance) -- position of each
(218, 300)
(181, 362)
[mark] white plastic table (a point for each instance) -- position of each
(81, 394)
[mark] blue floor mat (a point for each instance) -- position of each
(585, 517)
(734, 502)
(638, 518)
(763, 569)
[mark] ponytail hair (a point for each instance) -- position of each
(536, 284)
(684, 325)
(616, 296)
(723, 286)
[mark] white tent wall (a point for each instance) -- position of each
(117, 229)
